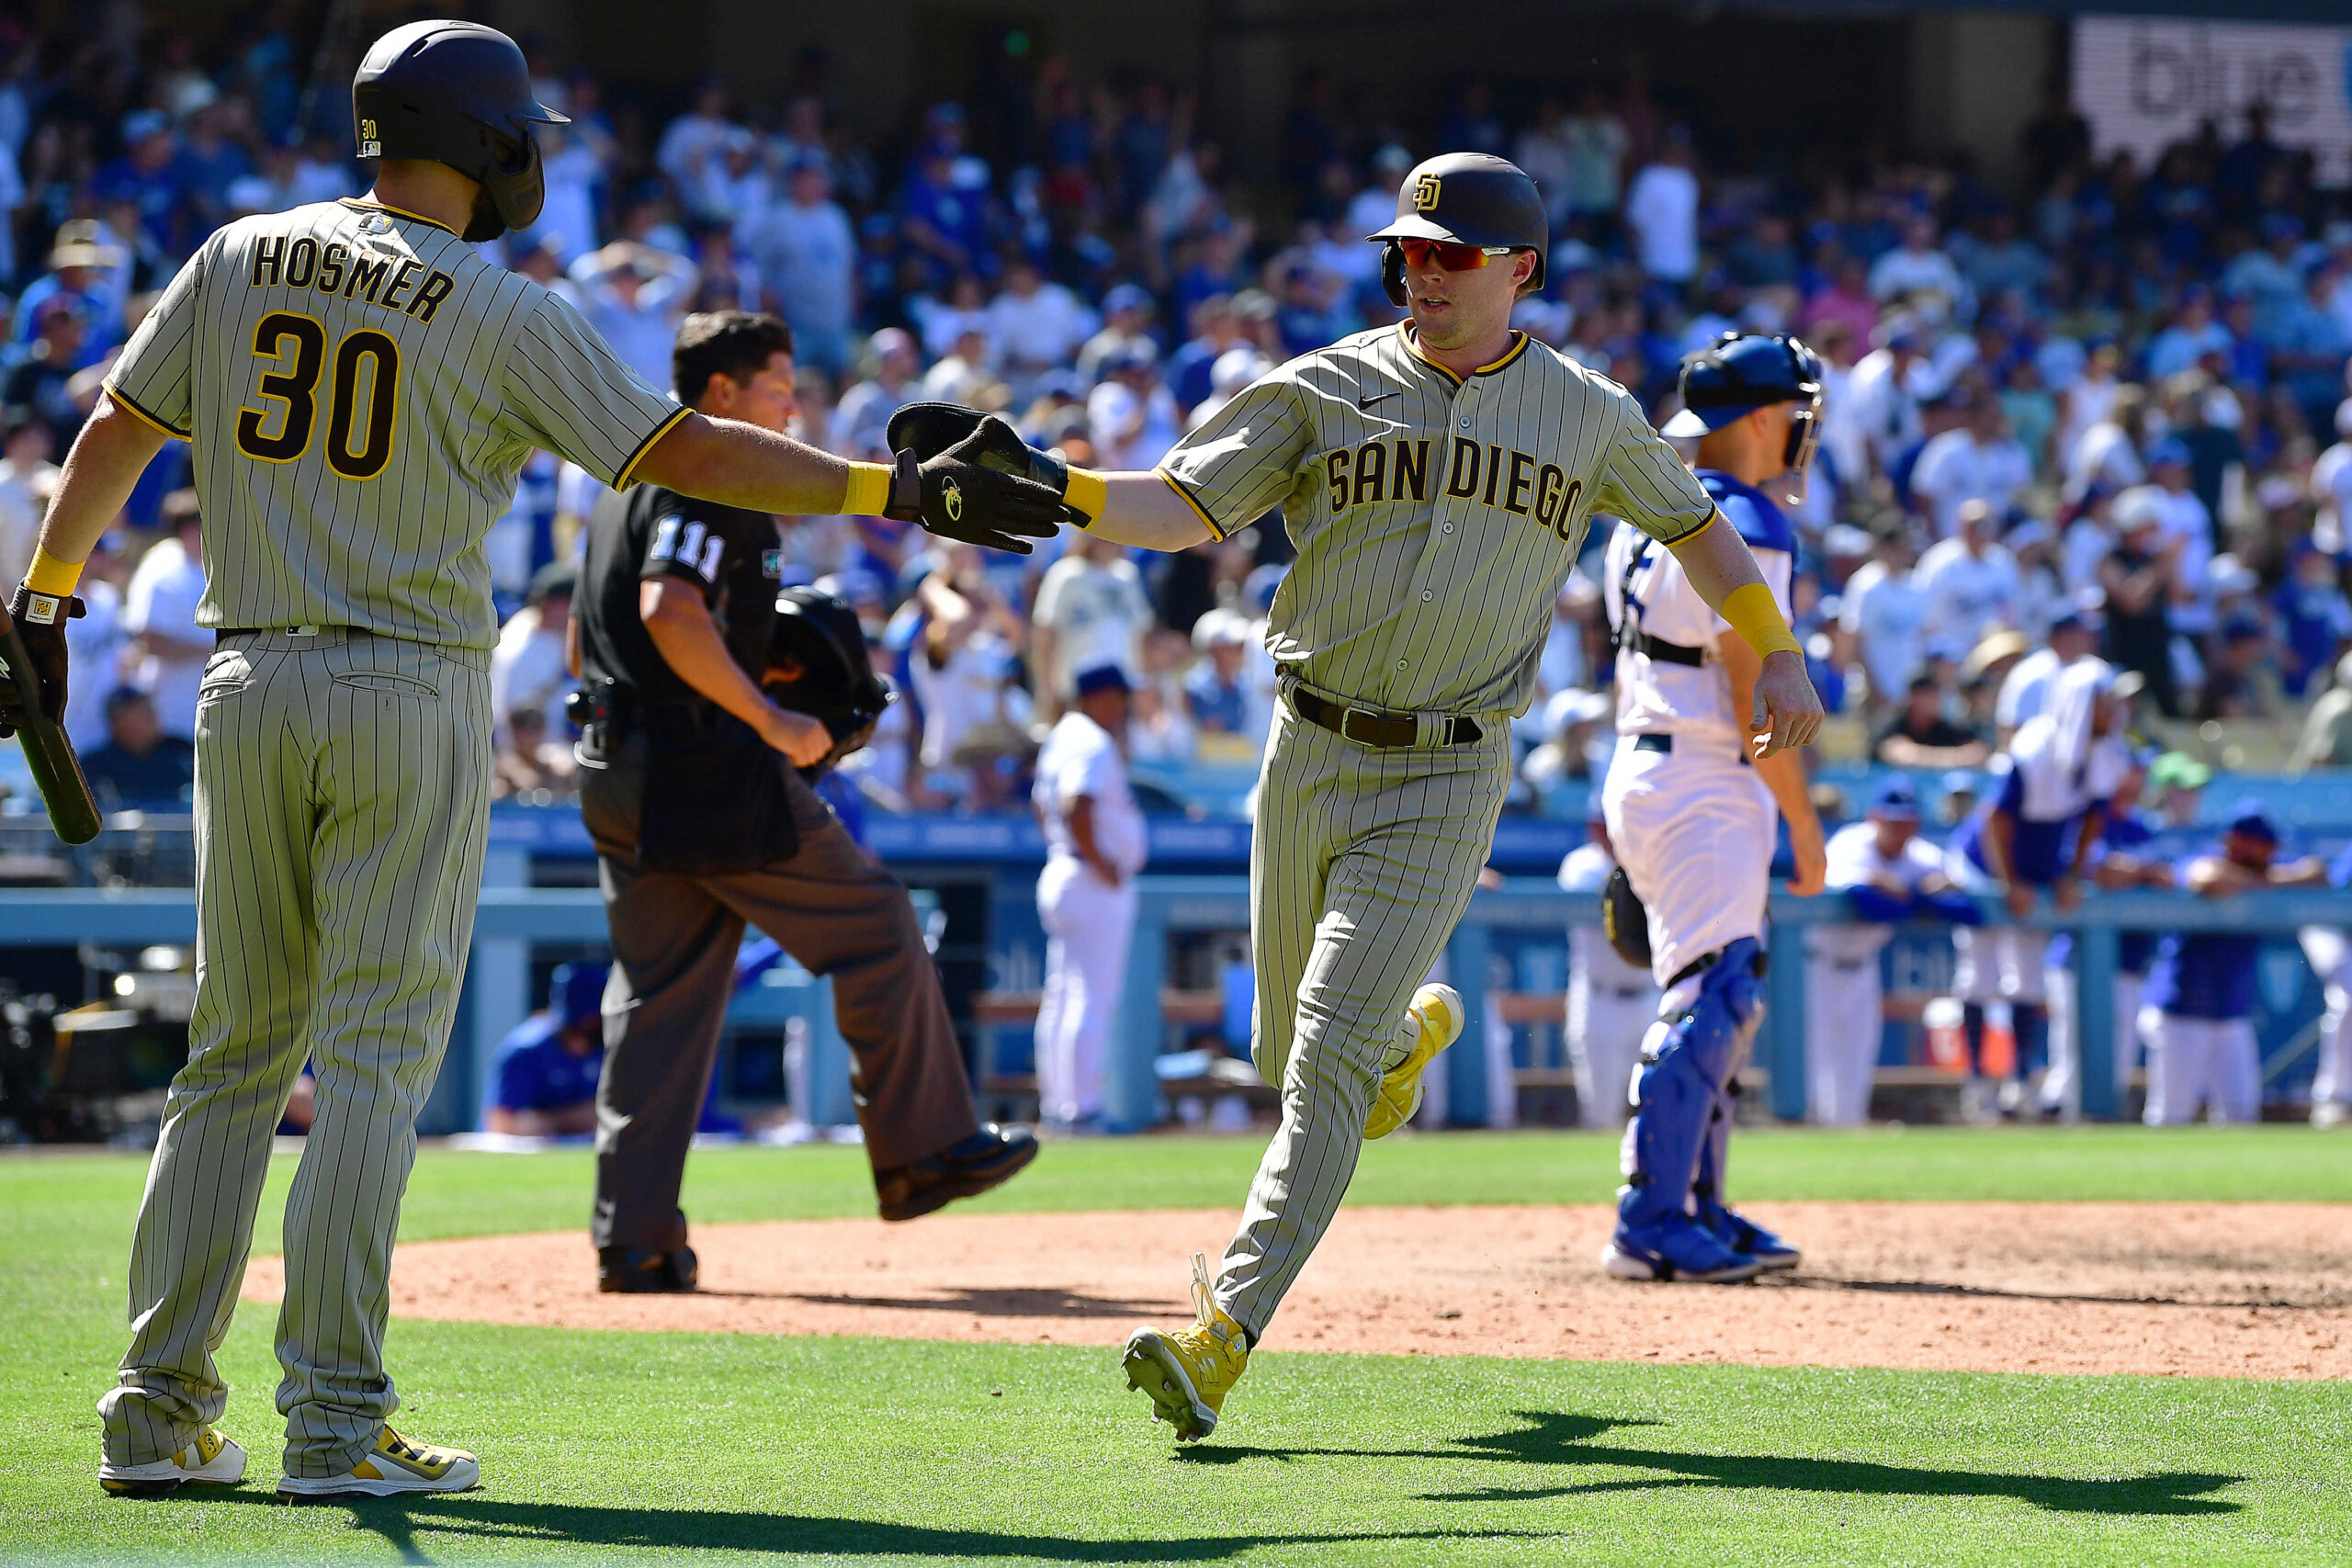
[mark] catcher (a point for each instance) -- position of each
(710, 703)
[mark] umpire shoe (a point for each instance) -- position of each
(1675, 1247)
(394, 1467)
(1436, 1018)
(989, 1157)
(1188, 1373)
(211, 1460)
(1749, 1239)
(635, 1271)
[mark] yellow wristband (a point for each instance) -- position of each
(1757, 619)
(1087, 492)
(869, 490)
(49, 575)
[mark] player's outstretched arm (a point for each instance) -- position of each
(1785, 710)
(1144, 510)
(953, 493)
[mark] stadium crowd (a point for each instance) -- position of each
(2103, 415)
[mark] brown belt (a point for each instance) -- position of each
(1369, 726)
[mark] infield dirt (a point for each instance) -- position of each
(2232, 1290)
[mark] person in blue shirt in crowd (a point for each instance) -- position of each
(2048, 795)
(2121, 858)
(2197, 1014)
(2330, 953)
(545, 1072)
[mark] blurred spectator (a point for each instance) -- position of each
(806, 255)
(528, 669)
(1919, 277)
(27, 478)
(1034, 324)
(635, 295)
(543, 1074)
(2025, 692)
(1127, 318)
(1882, 393)
(1662, 209)
(1131, 416)
(1885, 614)
(530, 768)
(1921, 736)
(1090, 611)
(97, 643)
(2326, 739)
(971, 638)
(140, 767)
(1217, 689)
(2141, 581)
(1979, 460)
(79, 266)
(864, 412)
(1968, 583)
(40, 384)
(159, 612)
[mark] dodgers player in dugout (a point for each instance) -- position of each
(1690, 799)
(361, 390)
(1437, 476)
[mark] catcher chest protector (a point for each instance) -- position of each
(459, 93)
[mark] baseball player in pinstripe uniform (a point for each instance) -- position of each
(360, 390)
(1437, 476)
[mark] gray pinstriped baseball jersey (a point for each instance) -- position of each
(360, 389)
(341, 486)
(1436, 516)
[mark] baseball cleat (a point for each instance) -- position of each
(1749, 1239)
(211, 1460)
(1675, 1248)
(1189, 1372)
(393, 1468)
(634, 1272)
(1436, 1016)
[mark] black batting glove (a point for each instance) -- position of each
(961, 494)
(41, 622)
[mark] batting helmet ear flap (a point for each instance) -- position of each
(1391, 273)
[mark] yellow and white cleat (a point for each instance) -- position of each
(211, 1460)
(394, 1468)
(1436, 1013)
(1189, 1372)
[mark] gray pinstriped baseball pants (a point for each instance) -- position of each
(342, 803)
(1361, 865)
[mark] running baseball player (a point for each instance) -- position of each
(1690, 800)
(1437, 476)
(1889, 874)
(361, 390)
(1611, 999)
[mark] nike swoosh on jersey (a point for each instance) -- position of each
(1367, 401)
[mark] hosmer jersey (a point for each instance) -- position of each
(1656, 691)
(360, 390)
(1436, 516)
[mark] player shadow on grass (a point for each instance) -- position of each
(400, 1522)
(1006, 1302)
(1558, 1438)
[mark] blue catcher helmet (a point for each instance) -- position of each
(1743, 372)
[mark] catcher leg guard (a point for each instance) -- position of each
(1743, 1236)
(1685, 1063)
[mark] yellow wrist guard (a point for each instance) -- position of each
(49, 575)
(1088, 492)
(869, 490)
(1757, 619)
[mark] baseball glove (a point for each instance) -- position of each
(1624, 920)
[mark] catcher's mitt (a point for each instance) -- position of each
(1624, 920)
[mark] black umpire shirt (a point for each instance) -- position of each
(733, 557)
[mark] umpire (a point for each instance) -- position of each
(695, 786)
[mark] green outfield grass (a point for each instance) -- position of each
(605, 1446)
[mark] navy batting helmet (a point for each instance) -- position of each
(459, 93)
(1465, 198)
(1742, 373)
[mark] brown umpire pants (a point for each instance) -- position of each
(830, 905)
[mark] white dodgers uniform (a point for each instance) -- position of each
(1690, 819)
(1610, 1002)
(1088, 922)
(1844, 1009)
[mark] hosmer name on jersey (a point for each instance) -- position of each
(388, 281)
(1512, 480)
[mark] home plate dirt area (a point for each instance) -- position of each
(2206, 1290)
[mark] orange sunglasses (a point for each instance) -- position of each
(1449, 255)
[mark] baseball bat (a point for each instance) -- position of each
(57, 772)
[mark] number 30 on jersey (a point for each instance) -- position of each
(367, 373)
